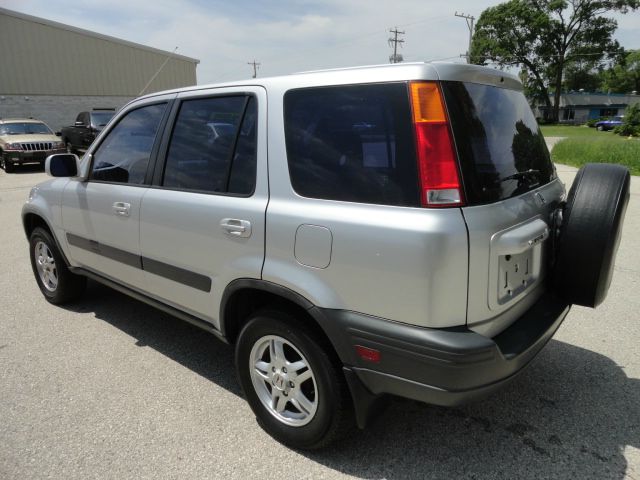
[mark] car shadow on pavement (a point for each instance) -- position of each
(190, 346)
(571, 414)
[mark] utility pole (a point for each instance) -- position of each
(255, 68)
(396, 57)
(469, 19)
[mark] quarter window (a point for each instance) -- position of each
(209, 150)
(123, 156)
(352, 143)
(242, 179)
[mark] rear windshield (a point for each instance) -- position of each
(352, 143)
(501, 150)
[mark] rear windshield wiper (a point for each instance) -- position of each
(525, 175)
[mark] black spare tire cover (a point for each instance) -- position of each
(590, 233)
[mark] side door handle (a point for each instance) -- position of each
(235, 227)
(121, 208)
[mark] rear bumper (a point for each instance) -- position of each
(440, 366)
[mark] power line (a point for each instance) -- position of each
(469, 19)
(349, 40)
(395, 58)
(255, 68)
(418, 22)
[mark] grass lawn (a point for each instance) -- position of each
(587, 145)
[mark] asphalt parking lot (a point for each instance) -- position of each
(111, 388)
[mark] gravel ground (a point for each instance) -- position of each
(112, 389)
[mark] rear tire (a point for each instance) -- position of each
(590, 233)
(307, 406)
(55, 280)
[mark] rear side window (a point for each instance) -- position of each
(501, 150)
(212, 148)
(352, 143)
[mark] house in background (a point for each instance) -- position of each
(579, 107)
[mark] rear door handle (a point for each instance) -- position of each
(235, 227)
(121, 208)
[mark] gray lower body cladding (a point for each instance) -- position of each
(440, 366)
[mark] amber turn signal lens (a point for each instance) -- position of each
(427, 102)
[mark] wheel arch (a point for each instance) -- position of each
(243, 297)
(32, 220)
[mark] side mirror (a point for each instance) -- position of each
(58, 134)
(61, 165)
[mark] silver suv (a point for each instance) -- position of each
(358, 233)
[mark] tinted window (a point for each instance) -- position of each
(203, 139)
(498, 139)
(243, 170)
(124, 154)
(352, 143)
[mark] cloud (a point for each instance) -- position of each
(284, 37)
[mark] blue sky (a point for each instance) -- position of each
(284, 36)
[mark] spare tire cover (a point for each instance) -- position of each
(590, 233)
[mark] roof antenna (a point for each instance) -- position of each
(159, 70)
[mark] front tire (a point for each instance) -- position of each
(55, 280)
(296, 390)
(9, 167)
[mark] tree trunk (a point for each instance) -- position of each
(543, 92)
(558, 91)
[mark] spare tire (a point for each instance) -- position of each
(589, 233)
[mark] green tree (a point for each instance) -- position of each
(624, 77)
(582, 76)
(631, 125)
(546, 36)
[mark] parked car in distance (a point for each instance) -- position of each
(376, 231)
(26, 140)
(83, 132)
(610, 124)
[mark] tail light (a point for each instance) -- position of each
(440, 184)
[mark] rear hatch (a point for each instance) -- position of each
(510, 190)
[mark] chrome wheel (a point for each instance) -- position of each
(46, 266)
(283, 380)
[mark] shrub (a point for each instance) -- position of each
(591, 123)
(631, 123)
(627, 130)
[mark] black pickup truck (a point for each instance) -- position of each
(79, 136)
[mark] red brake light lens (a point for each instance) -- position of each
(440, 184)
